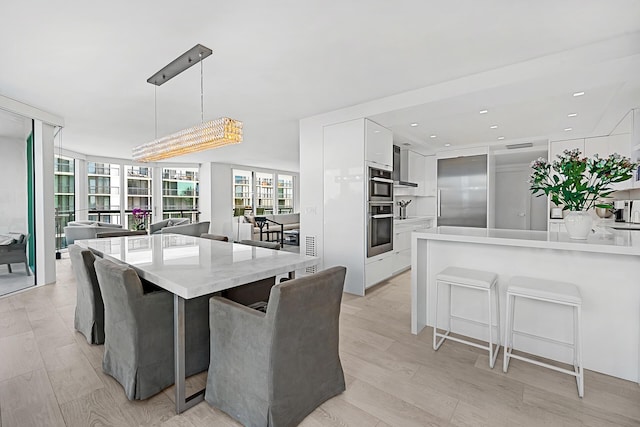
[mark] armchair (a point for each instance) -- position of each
(157, 226)
(274, 369)
(16, 252)
(196, 229)
(139, 345)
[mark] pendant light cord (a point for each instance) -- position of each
(155, 108)
(201, 91)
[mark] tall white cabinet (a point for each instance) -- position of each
(348, 149)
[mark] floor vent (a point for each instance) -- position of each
(311, 250)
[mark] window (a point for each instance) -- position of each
(64, 196)
(266, 198)
(264, 193)
(242, 194)
(138, 186)
(285, 194)
(103, 192)
(180, 193)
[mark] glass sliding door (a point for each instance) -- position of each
(17, 229)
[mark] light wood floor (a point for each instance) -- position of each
(50, 376)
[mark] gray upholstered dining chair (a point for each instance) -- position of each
(274, 369)
(214, 237)
(257, 291)
(139, 342)
(89, 317)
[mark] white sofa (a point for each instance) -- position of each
(288, 221)
(79, 230)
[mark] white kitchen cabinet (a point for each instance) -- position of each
(558, 147)
(557, 227)
(607, 145)
(378, 270)
(430, 176)
(378, 145)
(402, 242)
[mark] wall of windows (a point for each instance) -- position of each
(180, 196)
(263, 197)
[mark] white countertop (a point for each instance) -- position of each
(410, 219)
(191, 266)
(605, 240)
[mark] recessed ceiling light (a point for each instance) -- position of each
(432, 136)
(572, 115)
(567, 129)
(447, 145)
(578, 93)
(414, 125)
(484, 111)
(376, 131)
(494, 127)
(500, 138)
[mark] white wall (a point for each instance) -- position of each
(13, 188)
(44, 210)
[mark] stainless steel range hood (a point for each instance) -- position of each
(401, 168)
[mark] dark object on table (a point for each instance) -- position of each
(196, 229)
(260, 244)
(274, 369)
(214, 237)
(89, 317)
(139, 344)
(15, 252)
(122, 233)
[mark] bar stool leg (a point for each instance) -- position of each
(435, 321)
(496, 299)
(578, 351)
(436, 343)
(507, 333)
(491, 358)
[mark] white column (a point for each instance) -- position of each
(81, 189)
(216, 197)
(156, 183)
(44, 203)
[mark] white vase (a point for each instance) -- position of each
(578, 224)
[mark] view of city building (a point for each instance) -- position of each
(180, 193)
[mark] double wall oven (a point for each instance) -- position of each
(379, 212)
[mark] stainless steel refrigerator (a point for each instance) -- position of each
(462, 191)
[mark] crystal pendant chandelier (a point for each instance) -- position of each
(212, 134)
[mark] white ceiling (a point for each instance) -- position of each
(276, 62)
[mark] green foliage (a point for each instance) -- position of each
(578, 183)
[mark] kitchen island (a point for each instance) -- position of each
(605, 267)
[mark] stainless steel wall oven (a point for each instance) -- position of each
(380, 187)
(380, 228)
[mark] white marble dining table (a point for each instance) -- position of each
(190, 267)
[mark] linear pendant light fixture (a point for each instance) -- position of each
(212, 134)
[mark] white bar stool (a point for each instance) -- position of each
(473, 279)
(553, 292)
